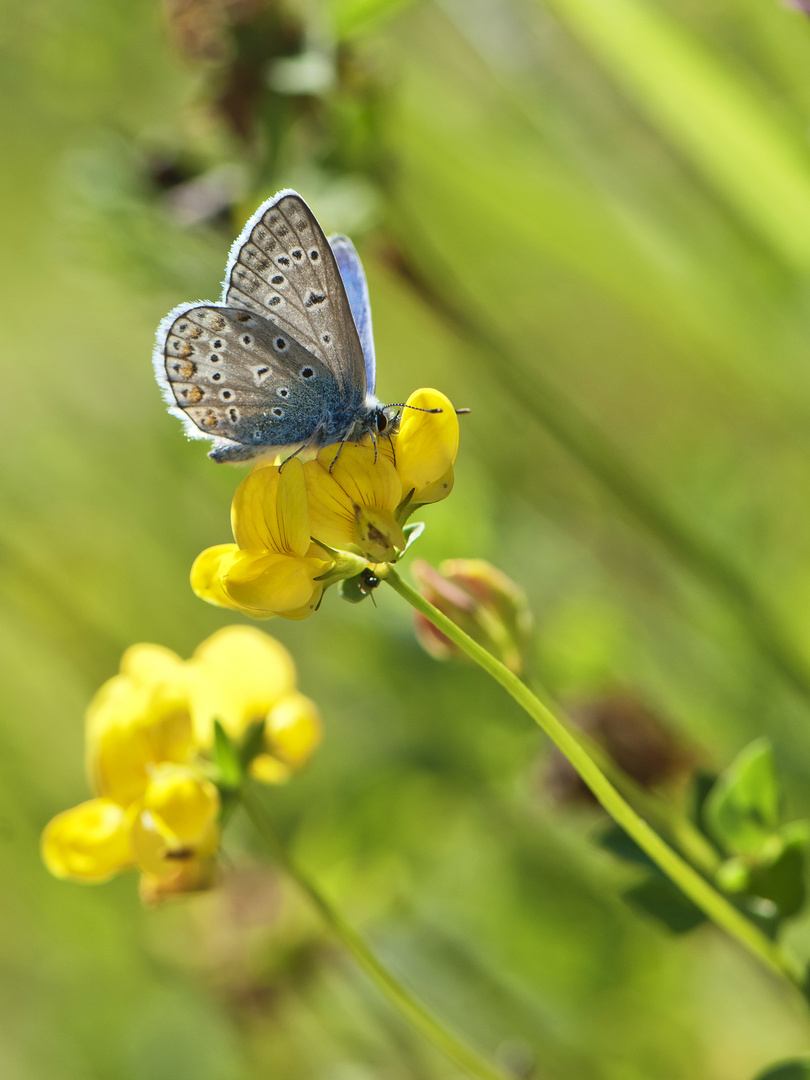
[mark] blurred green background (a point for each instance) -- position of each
(590, 223)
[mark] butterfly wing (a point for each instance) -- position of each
(235, 377)
(351, 270)
(282, 268)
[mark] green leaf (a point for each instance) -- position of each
(781, 879)
(797, 1069)
(349, 589)
(658, 897)
(615, 840)
(718, 119)
(742, 810)
(699, 791)
(226, 759)
(252, 744)
(412, 533)
(733, 875)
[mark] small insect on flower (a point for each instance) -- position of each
(151, 759)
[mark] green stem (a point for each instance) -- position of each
(402, 1000)
(712, 903)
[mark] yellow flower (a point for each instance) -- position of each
(88, 843)
(426, 446)
(244, 677)
(273, 566)
(137, 719)
(148, 732)
(298, 528)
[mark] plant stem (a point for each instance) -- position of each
(712, 903)
(402, 1000)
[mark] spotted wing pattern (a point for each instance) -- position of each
(238, 378)
(282, 268)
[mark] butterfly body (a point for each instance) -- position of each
(286, 358)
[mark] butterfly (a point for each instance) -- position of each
(286, 357)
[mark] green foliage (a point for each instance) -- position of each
(788, 1070)
(615, 197)
(742, 810)
(764, 866)
(660, 899)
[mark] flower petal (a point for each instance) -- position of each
(271, 584)
(270, 510)
(88, 843)
(206, 575)
(426, 446)
(355, 481)
(269, 770)
(156, 856)
(153, 664)
(293, 730)
(131, 725)
(367, 477)
(182, 803)
(239, 674)
(377, 534)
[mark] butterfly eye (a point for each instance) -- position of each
(382, 422)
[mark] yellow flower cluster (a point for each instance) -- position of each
(304, 525)
(150, 733)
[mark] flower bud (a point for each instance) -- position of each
(89, 842)
(632, 735)
(480, 600)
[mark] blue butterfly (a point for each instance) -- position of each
(285, 359)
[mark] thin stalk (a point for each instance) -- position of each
(402, 1000)
(712, 903)
(595, 452)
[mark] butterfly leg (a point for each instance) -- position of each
(295, 453)
(337, 455)
(393, 447)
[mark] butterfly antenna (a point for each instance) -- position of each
(402, 405)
